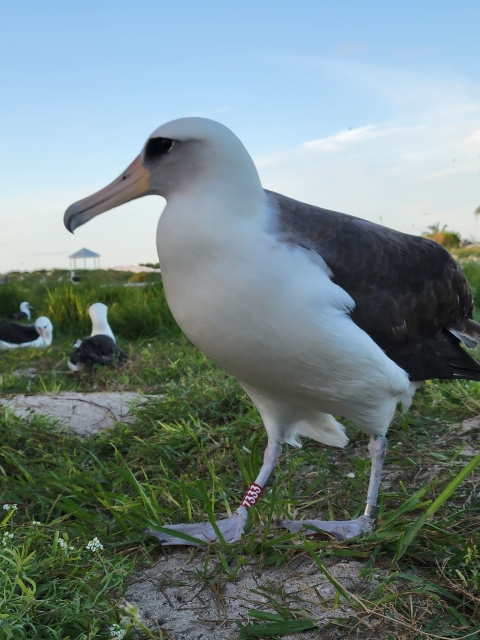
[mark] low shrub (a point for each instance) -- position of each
(10, 299)
(133, 312)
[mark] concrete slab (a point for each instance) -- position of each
(83, 413)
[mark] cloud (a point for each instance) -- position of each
(472, 140)
(405, 89)
(406, 174)
(339, 140)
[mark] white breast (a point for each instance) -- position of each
(268, 312)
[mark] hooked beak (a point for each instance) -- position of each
(31, 308)
(43, 332)
(132, 183)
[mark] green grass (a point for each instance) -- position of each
(191, 450)
(133, 312)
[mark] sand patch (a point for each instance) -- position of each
(177, 594)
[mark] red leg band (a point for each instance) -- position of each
(252, 496)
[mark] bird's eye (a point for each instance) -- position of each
(157, 147)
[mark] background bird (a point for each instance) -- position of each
(73, 278)
(316, 313)
(23, 314)
(38, 334)
(100, 348)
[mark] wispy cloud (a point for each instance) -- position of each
(404, 88)
(406, 175)
(340, 140)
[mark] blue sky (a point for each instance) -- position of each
(370, 108)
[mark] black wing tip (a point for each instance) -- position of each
(68, 223)
(72, 218)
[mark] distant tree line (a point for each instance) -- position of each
(448, 239)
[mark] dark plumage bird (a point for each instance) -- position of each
(73, 278)
(100, 348)
(39, 334)
(316, 313)
(23, 314)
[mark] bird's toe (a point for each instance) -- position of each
(342, 530)
(231, 530)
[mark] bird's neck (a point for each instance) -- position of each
(102, 328)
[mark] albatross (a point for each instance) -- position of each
(23, 314)
(316, 313)
(38, 334)
(101, 347)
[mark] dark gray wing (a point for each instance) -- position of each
(17, 315)
(407, 290)
(100, 350)
(17, 333)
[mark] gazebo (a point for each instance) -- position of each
(84, 254)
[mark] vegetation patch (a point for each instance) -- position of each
(188, 456)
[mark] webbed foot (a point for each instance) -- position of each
(231, 529)
(341, 529)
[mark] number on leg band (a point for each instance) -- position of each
(252, 496)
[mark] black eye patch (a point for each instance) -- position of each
(157, 147)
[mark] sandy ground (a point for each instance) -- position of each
(83, 413)
(175, 596)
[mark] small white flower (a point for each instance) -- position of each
(94, 545)
(350, 475)
(6, 537)
(62, 544)
(36, 523)
(7, 507)
(116, 631)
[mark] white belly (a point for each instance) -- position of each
(270, 315)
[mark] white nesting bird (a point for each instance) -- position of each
(39, 334)
(23, 314)
(100, 348)
(316, 313)
(73, 278)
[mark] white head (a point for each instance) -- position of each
(98, 314)
(72, 274)
(176, 157)
(25, 307)
(45, 330)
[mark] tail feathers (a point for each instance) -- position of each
(467, 331)
(441, 357)
(461, 363)
(321, 427)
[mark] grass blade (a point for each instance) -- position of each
(338, 587)
(436, 504)
(271, 629)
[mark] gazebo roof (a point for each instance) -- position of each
(85, 253)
